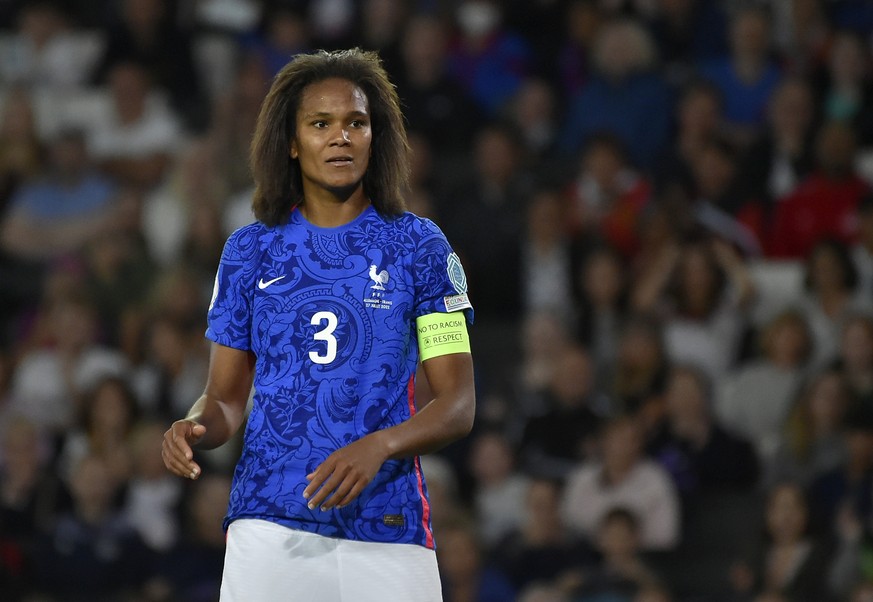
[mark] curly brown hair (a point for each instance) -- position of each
(278, 180)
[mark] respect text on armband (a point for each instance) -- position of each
(442, 334)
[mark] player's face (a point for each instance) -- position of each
(333, 138)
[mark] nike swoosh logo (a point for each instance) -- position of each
(262, 285)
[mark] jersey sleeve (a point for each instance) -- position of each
(229, 318)
(440, 281)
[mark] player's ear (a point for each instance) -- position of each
(292, 150)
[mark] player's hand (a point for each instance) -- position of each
(345, 473)
(176, 449)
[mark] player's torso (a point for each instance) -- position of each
(332, 330)
(332, 319)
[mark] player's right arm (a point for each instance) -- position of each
(216, 416)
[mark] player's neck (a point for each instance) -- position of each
(329, 211)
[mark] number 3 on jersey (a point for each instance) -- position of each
(326, 335)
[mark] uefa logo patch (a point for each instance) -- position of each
(456, 273)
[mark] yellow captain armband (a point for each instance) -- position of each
(442, 334)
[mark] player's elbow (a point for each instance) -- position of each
(464, 415)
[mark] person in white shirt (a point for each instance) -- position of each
(45, 52)
(138, 135)
(624, 478)
(754, 400)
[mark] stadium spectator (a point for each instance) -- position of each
(152, 497)
(233, 123)
(636, 382)
(31, 495)
(701, 290)
(107, 414)
(135, 139)
(191, 570)
(21, 150)
(281, 34)
(554, 440)
(493, 191)
(754, 400)
(118, 274)
(830, 297)
(546, 258)
(602, 305)
(717, 202)
(626, 96)
(802, 33)
(623, 477)
(812, 441)
(50, 377)
(792, 560)
(543, 340)
(607, 196)
(698, 119)
(541, 549)
(535, 111)
(781, 155)
(91, 551)
(700, 455)
(30, 492)
(381, 26)
(147, 33)
(845, 86)
(436, 105)
(500, 488)
(173, 367)
(486, 58)
(57, 213)
(621, 572)
(855, 360)
(582, 20)
(747, 75)
(465, 571)
(45, 54)
(845, 488)
(825, 202)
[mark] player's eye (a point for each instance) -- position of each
(319, 123)
(358, 123)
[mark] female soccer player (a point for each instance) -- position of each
(327, 304)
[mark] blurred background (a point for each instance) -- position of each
(664, 210)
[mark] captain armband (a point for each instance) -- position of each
(442, 334)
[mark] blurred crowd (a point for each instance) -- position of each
(664, 209)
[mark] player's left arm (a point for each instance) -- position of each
(446, 418)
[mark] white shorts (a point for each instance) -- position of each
(266, 562)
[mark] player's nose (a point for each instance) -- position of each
(341, 137)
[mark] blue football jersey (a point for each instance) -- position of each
(330, 315)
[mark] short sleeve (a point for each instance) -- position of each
(440, 281)
(229, 317)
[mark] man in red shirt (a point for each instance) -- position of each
(824, 204)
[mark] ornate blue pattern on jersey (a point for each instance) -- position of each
(330, 316)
